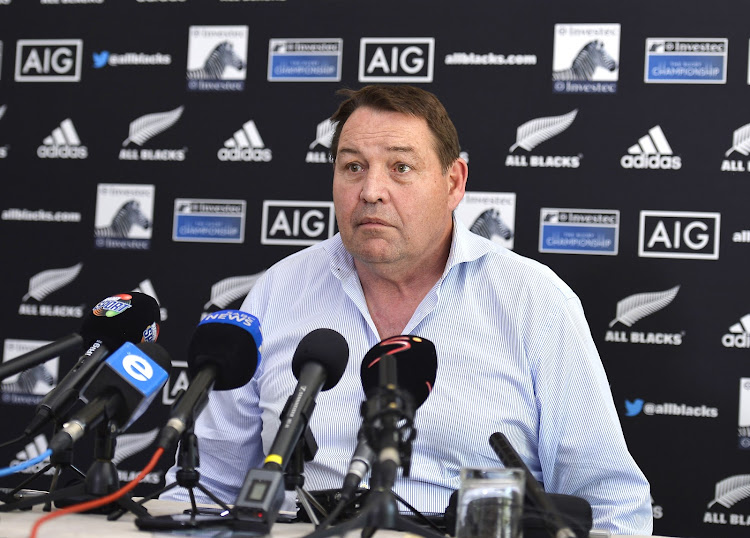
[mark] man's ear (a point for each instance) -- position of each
(457, 176)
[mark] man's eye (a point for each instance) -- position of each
(402, 168)
(354, 167)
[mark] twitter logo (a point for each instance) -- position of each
(634, 407)
(100, 59)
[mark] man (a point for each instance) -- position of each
(515, 354)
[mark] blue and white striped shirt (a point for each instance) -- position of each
(515, 355)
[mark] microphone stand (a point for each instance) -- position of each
(187, 475)
(59, 461)
(304, 450)
(389, 418)
(101, 479)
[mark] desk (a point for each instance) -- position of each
(18, 524)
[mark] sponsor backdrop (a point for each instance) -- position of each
(179, 148)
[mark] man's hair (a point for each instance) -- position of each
(405, 100)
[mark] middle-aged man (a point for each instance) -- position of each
(515, 354)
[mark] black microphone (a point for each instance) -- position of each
(535, 494)
(127, 317)
(223, 355)
(318, 363)
(119, 391)
(416, 359)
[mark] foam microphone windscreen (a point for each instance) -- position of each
(231, 340)
(416, 363)
(125, 317)
(325, 347)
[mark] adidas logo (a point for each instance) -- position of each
(739, 334)
(652, 151)
(245, 145)
(63, 143)
(323, 137)
(32, 450)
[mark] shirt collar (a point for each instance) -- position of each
(466, 246)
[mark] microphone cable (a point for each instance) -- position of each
(26, 464)
(13, 441)
(96, 503)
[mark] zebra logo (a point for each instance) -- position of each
(127, 216)
(588, 59)
(221, 57)
(489, 224)
(35, 380)
(217, 58)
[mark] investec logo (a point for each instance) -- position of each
(739, 334)
(245, 145)
(396, 59)
(635, 307)
(652, 151)
(534, 132)
(323, 139)
(287, 222)
(48, 60)
(727, 493)
(679, 234)
(63, 143)
(146, 127)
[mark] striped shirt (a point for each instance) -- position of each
(515, 355)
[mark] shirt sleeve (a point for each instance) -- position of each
(582, 448)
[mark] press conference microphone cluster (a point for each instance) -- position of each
(318, 364)
(126, 317)
(223, 355)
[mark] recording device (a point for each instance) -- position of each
(119, 391)
(223, 355)
(535, 494)
(91, 330)
(127, 317)
(416, 361)
(318, 363)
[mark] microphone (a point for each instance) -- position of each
(126, 317)
(223, 355)
(417, 369)
(119, 391)
(89, 332)
(318, 363)
(535, 494)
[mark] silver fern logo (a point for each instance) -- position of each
(640, 305)
(228, 290)
(143, 129)
(3, 149)
(323, 138)
(636, 307)
(43, 284)
(533, 133)
(727, 493)
(741, 145)
(2, 111)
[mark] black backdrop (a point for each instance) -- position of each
(676, 357)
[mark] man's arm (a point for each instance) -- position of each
(582, 449)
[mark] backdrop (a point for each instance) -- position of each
(179, 148)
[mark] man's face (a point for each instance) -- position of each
(393, 201)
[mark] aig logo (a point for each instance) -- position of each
(396, 59)
(296, 223)
(679, 234)
(48, 60)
